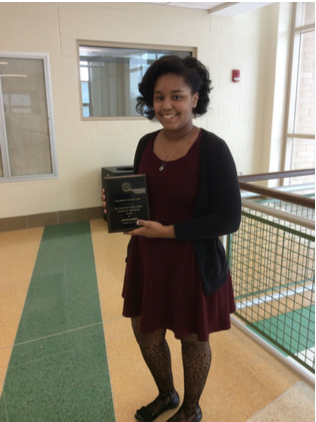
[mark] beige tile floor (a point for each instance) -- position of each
(18, 251)
(243, 379)
(296, 404)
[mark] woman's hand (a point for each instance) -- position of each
(152, 229)
(103, 198)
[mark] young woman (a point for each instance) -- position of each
(177, 275)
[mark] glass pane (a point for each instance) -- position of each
(86, 111)
(1, 165)
(85, 92)
(303, 157)
(305, 13)
(305, 98)
(113, 75)
(26, 117)
(309, 15)
(84, 73)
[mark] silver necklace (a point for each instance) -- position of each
(163, 164)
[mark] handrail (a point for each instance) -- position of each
(283, 196)
(273, 193)
(276, 175)
(290, 218)
(292, 188)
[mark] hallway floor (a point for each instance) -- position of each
(67, 354)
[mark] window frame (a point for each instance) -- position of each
(192, 50)
(7, 177)
(289, 131)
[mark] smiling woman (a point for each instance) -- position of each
(173, 104)
(177, 275)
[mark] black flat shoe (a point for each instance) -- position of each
(146, 415)
(197, 417)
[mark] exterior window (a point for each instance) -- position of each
(300, 138)
(109, 77)
(27, 146)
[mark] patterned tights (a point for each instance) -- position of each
(196, 356)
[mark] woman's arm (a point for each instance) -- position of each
(219, 202)
(152, 229)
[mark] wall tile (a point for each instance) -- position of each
(103, 128)
(216, 25)
(86, 173)
(63, 96)
(13, 209)
(229, 26)
(59, 112)
(63, 64)
(69, 143)
(123, 157)
(67, 188)
(232, 57)
(68, 47)
(111, 141)
(67, 128)
(70, 159)
(218, 41)
(10, 192)
(116, 128)
(40, 10)
(255, 29)
(64, 173)
(98, 158)
(246, 41)
(232, 111)
(29, 35)
(130, 141)
(71, 81)
(72, 112)
(11, 9)
(39, 191)
(89, 143)
(121, 25)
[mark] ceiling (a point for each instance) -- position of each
(219, 8)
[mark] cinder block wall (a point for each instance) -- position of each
(237, 112)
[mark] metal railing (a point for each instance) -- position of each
(272, 261)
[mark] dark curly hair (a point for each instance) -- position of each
(195, 75)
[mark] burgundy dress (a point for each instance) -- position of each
(162, 281)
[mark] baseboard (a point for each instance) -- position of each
(50, 219)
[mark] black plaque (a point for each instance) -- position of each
(126, 201)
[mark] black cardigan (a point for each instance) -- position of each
(217, 210)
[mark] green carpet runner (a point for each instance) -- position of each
(58, 369)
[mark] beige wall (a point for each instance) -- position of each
(237, 113)
(280, 19)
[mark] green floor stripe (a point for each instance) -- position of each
(293, 330)
(58, 368)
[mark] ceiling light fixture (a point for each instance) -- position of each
(13, 76)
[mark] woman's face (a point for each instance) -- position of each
(173, 102)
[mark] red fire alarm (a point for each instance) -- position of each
(236, 76)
